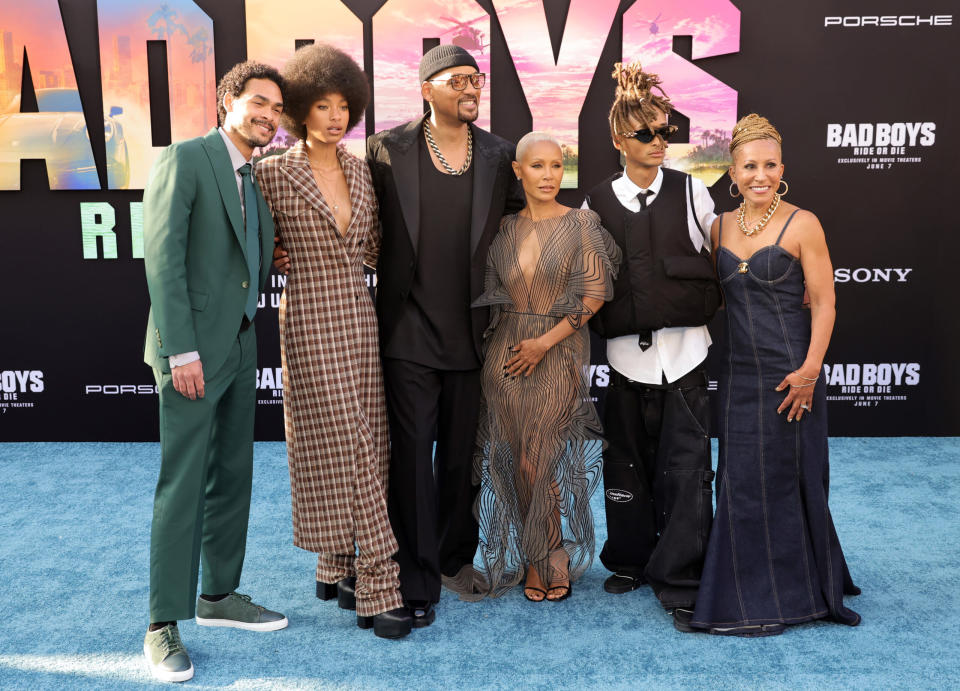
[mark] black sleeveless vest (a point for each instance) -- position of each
(663, 280)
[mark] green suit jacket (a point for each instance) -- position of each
(194, 256)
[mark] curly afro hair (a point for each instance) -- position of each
(235, 81)
(315, 71)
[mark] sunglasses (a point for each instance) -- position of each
(458, 82)
(645, 136)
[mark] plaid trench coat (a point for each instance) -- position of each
(334, 411)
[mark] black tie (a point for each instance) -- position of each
(252, 246)
(645, 340)
(646, 337)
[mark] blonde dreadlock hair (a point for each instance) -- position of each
(635, 98)
(750, 128)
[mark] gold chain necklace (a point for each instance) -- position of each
(326, 172)
(761, 224)
(332, 199)
(436, 150)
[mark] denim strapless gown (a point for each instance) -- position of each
(773, 557)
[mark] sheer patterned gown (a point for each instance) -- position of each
(773, 557)
(539, 437)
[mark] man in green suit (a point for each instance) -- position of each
(207, 230)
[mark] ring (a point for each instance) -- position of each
(805, 406)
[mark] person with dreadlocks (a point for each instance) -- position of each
(773, 558)
(657, 471)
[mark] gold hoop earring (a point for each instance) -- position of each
(732, 185)
(786, 188)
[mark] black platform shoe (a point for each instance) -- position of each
(326, 591)
(346, 593)
(396, 623)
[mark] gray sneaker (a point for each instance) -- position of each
(166, 656)
(238, 612)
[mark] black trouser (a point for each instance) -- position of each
(657, 482)
(430, 500)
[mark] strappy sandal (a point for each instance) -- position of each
(565, 589)
(536, 590)
(531, 572)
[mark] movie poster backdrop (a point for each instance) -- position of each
(91, 91)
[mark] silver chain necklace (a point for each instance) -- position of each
(436, 150)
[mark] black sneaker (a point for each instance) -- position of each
(423, 613)
(620, 583)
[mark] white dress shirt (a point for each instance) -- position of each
(237, 160)
(675, 350)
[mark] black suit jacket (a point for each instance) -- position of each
(393, 156)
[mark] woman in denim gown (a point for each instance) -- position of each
(774, 558)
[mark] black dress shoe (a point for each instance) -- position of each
(393, 624)
(346, 593)
(620, 583)
(423, 613)
(681, 621)
(758, 631)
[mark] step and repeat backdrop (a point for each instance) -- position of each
(863, 92)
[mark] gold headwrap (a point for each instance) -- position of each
(750, 128)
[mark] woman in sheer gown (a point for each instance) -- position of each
(538, 442)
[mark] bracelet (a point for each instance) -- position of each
(805, 378)
(802, 386)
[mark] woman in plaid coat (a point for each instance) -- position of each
(334, 411)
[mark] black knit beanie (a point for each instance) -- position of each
(443, 57)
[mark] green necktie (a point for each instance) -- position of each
(253, 239)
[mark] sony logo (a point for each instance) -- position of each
(854, 22)
(865, 275)
(119, 389)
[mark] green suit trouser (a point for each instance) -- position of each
(202, 502)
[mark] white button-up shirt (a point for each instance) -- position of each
(675, 350)
(237, 161)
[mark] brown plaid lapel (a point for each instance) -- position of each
(353, 172)
(296, 167)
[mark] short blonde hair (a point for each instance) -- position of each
(535, 137)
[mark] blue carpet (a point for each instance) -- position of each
(74, 532)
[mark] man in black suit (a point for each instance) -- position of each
(443, 184)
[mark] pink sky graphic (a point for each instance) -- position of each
(648, 30)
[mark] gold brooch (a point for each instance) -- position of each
(742, 267)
